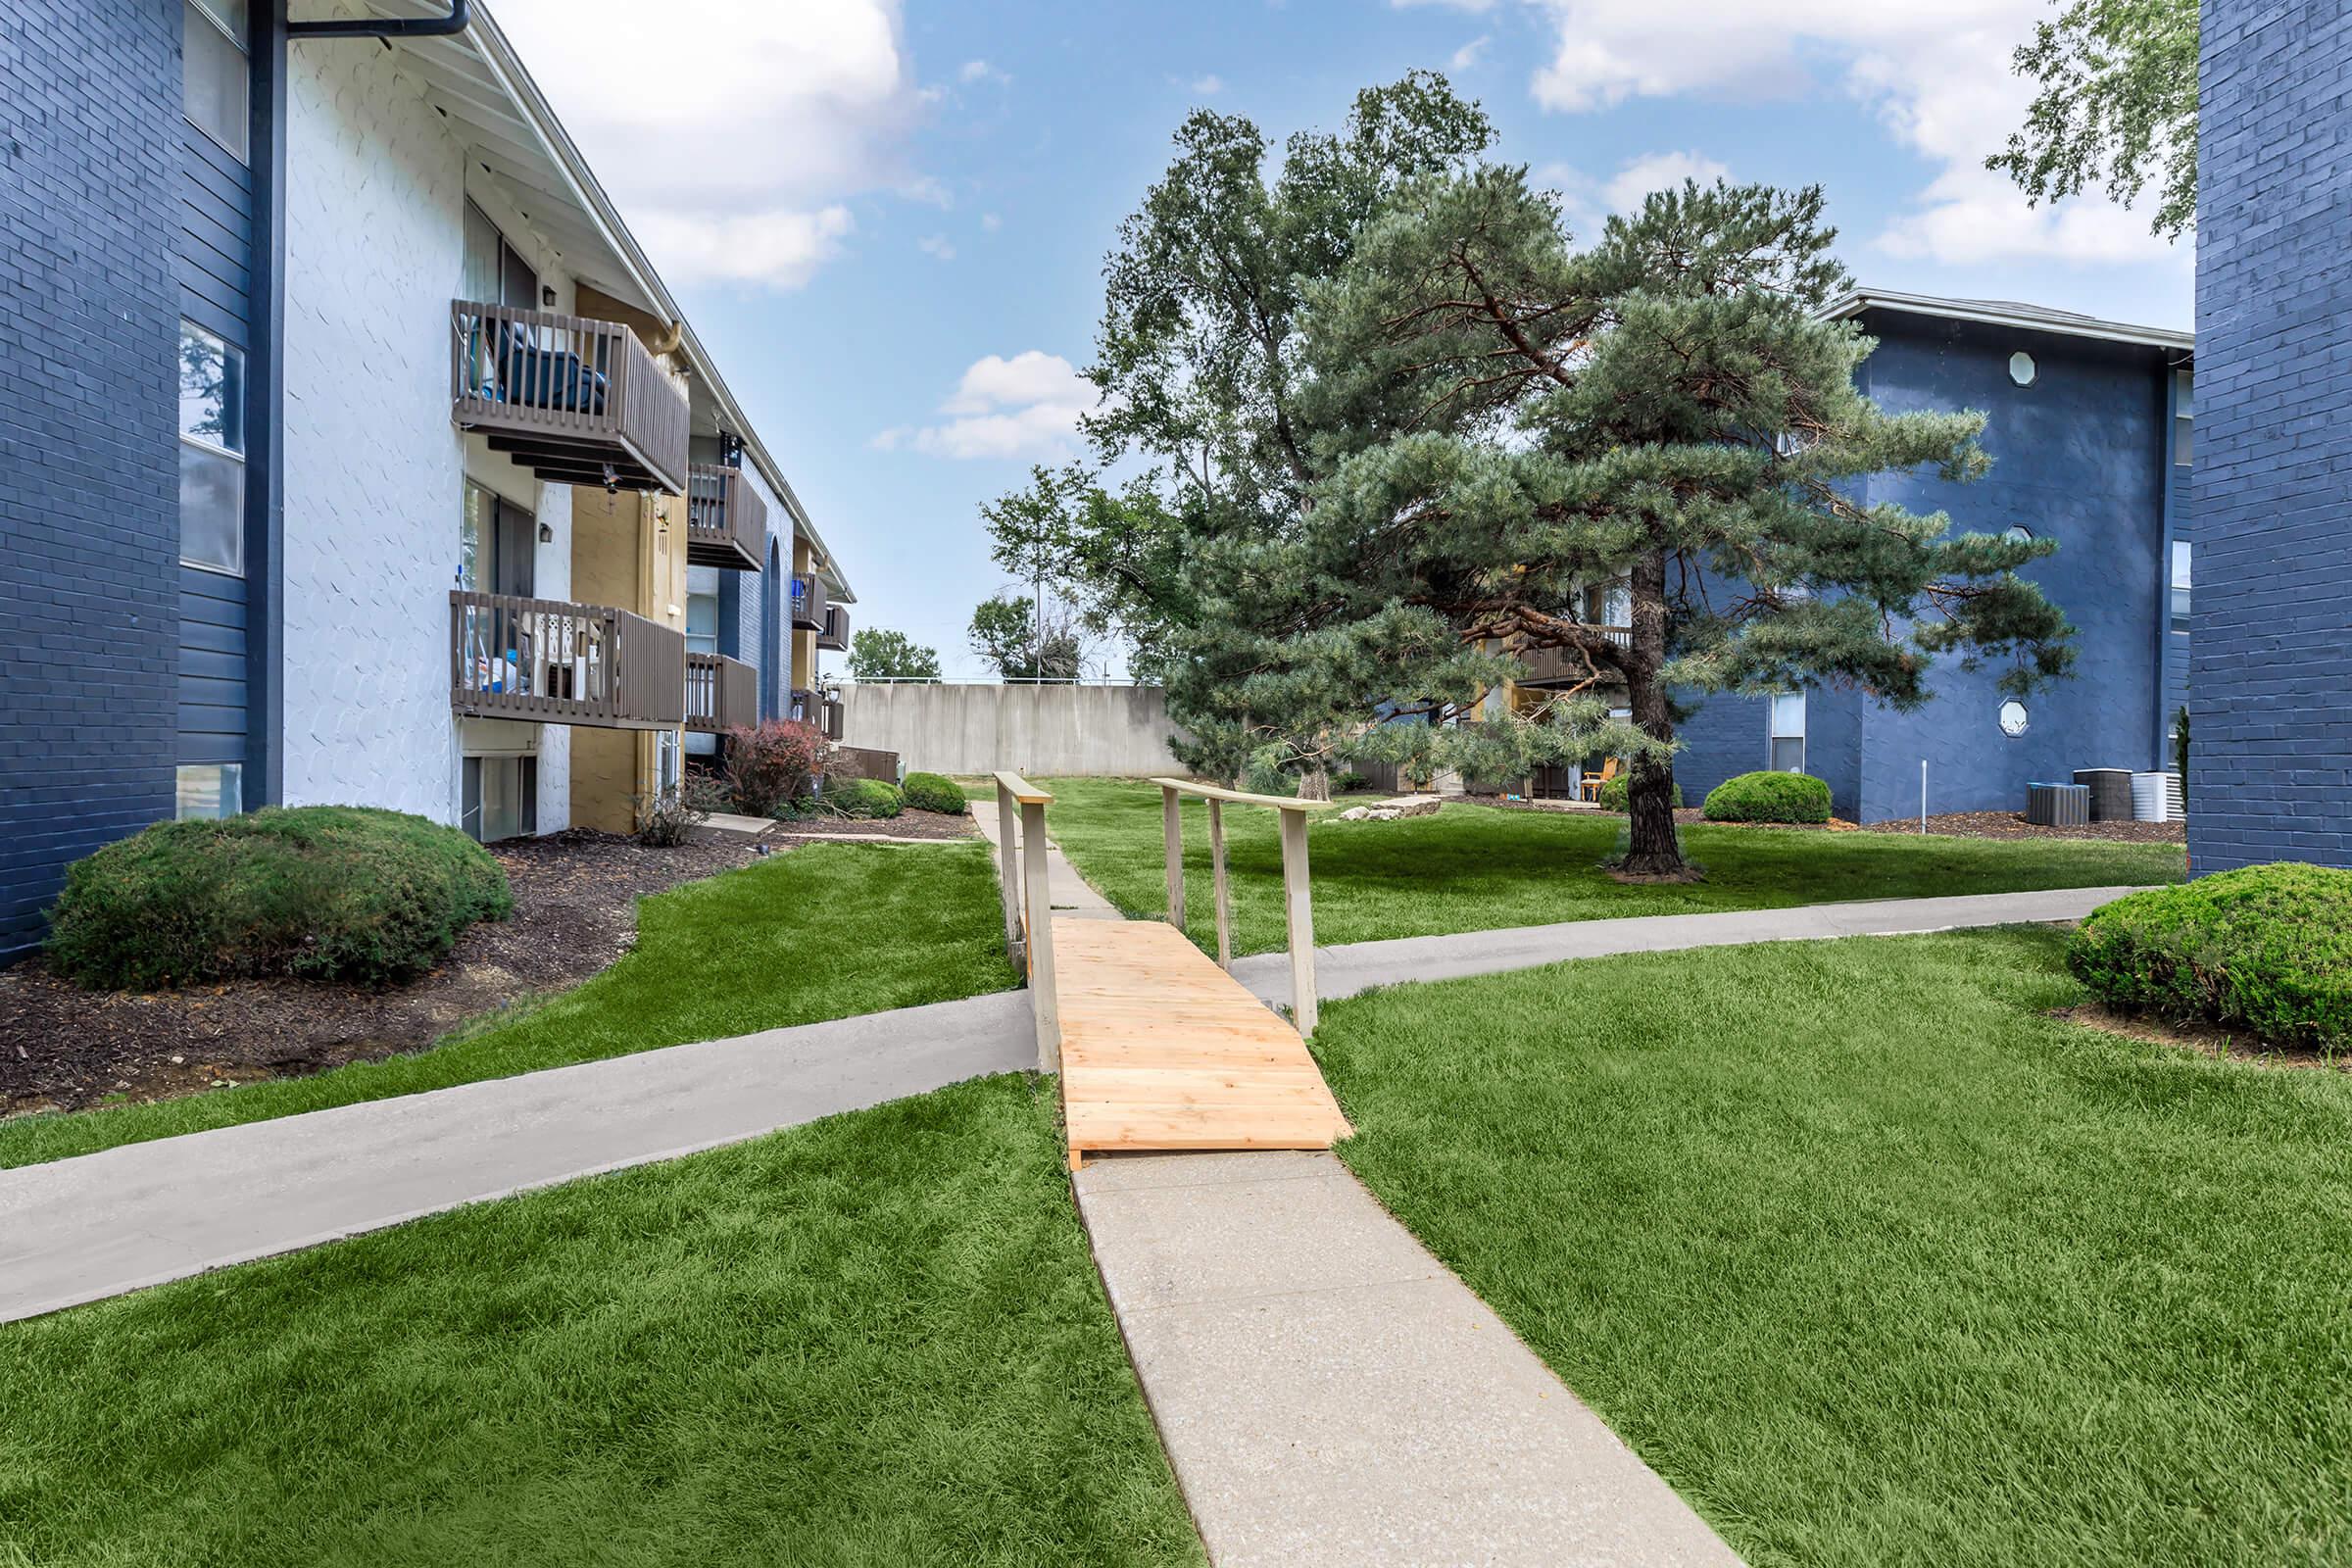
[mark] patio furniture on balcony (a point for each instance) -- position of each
(575, 400)
(726, 520)
(809, 603)
(544, 660)
(836, 635)
(721, 693)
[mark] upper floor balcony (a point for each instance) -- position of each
(726, 519)
(544, 660)
(809, 603)
(1565, 665)
(836, 635)
(721, 693)
(575, 400)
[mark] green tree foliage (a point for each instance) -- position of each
(878, 654)
(1005, 634)
(1515, 423)
(2116, 107)
(1198, 359)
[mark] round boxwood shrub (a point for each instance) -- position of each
(1615, 792)
(320, 892)
(1767, 798)
(929, 792)
(2267, 949)
(863, 797)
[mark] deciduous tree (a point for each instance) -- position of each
(879, 654)
(2115, 107)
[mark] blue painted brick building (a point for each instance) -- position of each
(2089, 428)
(2270, 771)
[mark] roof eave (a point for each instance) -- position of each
(2158, 337)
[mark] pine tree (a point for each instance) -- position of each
(1667, 411)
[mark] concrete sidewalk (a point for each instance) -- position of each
(77, 1230)
(1350, 968)
(1330, 1393)
(1072, 893)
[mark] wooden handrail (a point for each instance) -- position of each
(552, 660)
(1299, 914)
(1029, 914)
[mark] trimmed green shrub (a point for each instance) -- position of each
(863, 797)
(320, 892)
(1349, 782)
(929, 792)
(2267, 949)
(1769, 797)
(1613, 794)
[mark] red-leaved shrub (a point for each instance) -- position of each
(773, 761)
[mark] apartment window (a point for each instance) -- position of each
(1787, 733)
(701, 637)
(2014, 718)
(216, 80)
(494, 271)
(501, 797)
(2180, 583)
(210, 790)
(2184, 408)
(498, 545)
(212, 452)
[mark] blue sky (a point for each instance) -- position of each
(887, 220)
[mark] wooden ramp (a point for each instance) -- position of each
(1161, 1048)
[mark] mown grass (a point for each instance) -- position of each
(1877, 1262)
(826, 931)
(877, 1339)
(1478, 868)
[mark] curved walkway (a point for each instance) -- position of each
(78, 1230)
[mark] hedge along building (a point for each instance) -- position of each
(2088, 427)
(350, 449)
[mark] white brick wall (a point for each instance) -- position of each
(376, 191)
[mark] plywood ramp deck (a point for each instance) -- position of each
(1161, 1049)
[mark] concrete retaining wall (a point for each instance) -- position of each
(1108, 730)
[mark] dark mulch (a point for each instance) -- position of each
(2209, 1039)
(908, 824)
(575, 912)
(2013, 825)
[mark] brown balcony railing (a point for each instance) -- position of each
(809, 603)
(726, 520)
(575, 400)
(836, 635)
(721, 693)
(1565, 664)
(802, 705)
(833, 717)
(548, 662)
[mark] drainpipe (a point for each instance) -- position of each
(378, 27)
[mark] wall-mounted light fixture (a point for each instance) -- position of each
(547, 534)
(547, 295)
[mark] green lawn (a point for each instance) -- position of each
(823, 932)
(1477, 868)
(878, 1339)
(1876, 1261)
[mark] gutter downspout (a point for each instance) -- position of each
(377, 27)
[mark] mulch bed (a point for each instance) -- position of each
(2204, 1038)
(575, 912)
(2013, 825)
(908, 824)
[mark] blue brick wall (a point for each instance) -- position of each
(89, 576)
(2270, 664)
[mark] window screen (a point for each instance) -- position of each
(215, 86)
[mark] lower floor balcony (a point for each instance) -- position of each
(721, 693)
(549, 662)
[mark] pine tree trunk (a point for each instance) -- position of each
(1315, 783)
(1652, 849)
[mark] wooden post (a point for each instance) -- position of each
(1171, 828)
(1008, 874)
(1224, 896)
(1038, 889)
(1299, 913)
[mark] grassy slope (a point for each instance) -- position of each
(1475, 869)
(823, 932)
(1877, 1262)
(874, 1339)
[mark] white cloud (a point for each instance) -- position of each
(938, 245)
(991, 222)
(1935, 72)
(1472, 6)
(694, 165)
(981, 71)
(1208, 86)
(1468, 54)
(1024, 406)
(1653, 171)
